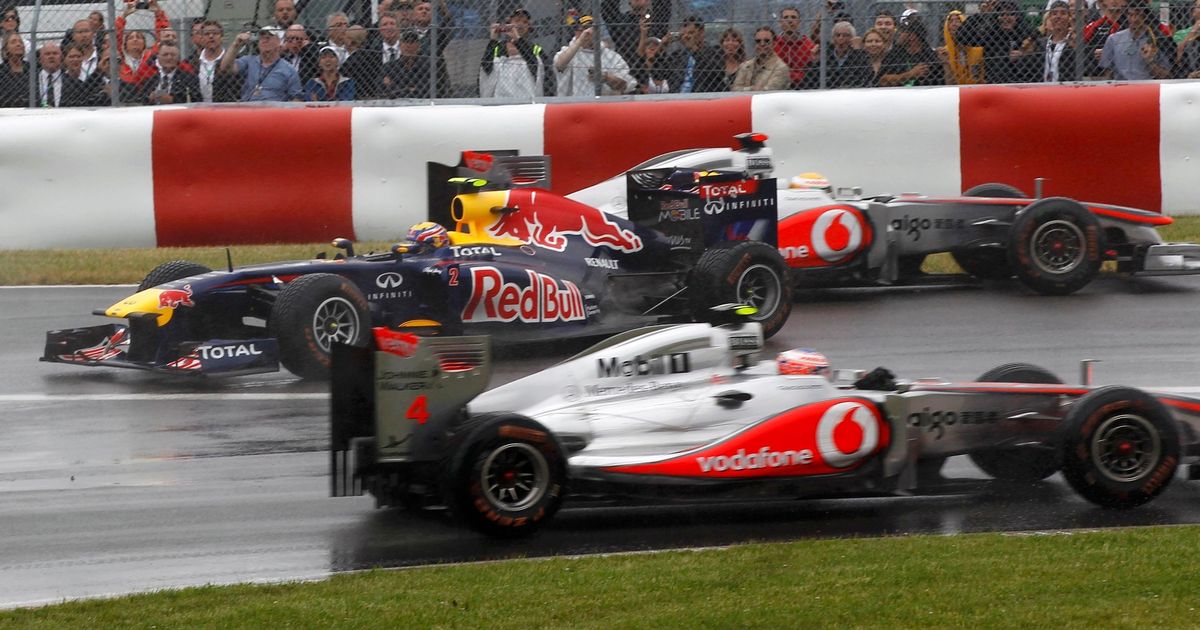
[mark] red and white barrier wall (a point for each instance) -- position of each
(206, 176)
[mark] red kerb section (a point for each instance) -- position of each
(1098, 144)
(590, 142)
(243, 176)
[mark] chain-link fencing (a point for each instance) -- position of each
(179, 51)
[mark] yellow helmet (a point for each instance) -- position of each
(811, 180)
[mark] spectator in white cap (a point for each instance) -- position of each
(266, 77)
(329, 84)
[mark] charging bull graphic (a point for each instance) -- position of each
(174, 298)
(544, 219)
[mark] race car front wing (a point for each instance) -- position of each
(109, 344)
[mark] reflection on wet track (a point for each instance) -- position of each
(115, 481)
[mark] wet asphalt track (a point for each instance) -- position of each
(116, 481)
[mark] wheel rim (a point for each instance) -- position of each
(1126, 447)
(1058, 246)
(760, 287)
(515, 476)
(335, 319)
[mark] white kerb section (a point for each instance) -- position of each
(392, 145)
(887, 141)
(1179, 146)
(76, 179)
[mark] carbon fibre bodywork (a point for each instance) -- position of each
(522, 264)
(688, 412)
(845, 239)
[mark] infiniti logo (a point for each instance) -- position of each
(389, 280)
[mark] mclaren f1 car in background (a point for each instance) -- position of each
(1052, 245)
(688, 412)
(520, 263)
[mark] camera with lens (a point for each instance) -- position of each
(251, 27)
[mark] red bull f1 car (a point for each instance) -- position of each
(1052, 245)
(519, 262)
(688, 412)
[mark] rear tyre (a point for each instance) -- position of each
(987, 264)
(508, 477)
(312, 313)
(1120, 447)
(1019, 463)
(744, 272)
(995, 189)
(170, 272)
(1056, 246)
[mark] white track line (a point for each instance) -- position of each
(254, 396)
(65, 286)
(157, 397)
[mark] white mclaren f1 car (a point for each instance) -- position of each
(689, 413)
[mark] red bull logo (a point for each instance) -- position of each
(545, 219)
(542, 300)
(174, 298)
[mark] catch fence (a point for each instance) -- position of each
(62, 54)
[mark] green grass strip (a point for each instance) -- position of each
(129, 266)
(1133, 578)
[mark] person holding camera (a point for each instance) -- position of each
(625, 27)
(511, 67)
(266, 76)
(575, 69)
(136, 56)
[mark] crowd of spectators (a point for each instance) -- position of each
(398, 51)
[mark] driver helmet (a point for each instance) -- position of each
(802, 361)
(811, 181)
(429, 233)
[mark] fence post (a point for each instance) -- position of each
(34, 65)
(114, 57)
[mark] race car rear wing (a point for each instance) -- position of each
(393, 402)
(697, 209)
(499, 169)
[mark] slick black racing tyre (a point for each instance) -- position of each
(744, 272)
(1056, 246)
(987, 264)
(507, 478)
(1019, 463)
(1120, 447)
(995, 189)
(171, 271)
(312, 313)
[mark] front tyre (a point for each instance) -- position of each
(312, 313)
(1056, 246)
(508, 477)
(171, 271)
(1120, 447)
(743, 272)
(1018, 463)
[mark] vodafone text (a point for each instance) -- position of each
(763, 458)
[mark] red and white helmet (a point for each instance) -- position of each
(802, 361)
